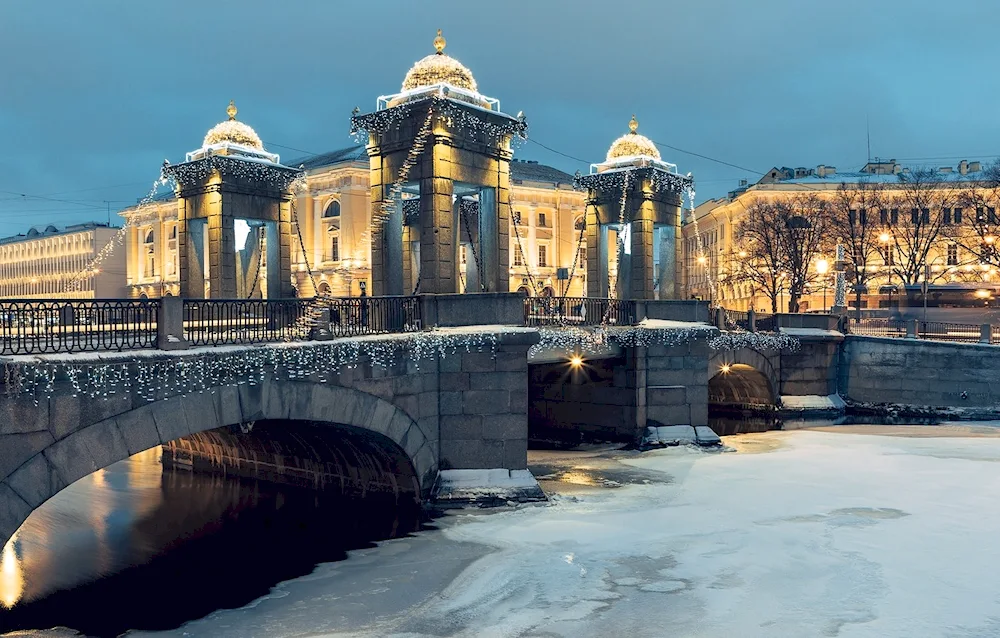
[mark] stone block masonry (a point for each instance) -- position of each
(920, 373)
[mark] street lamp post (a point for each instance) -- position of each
(823, 267)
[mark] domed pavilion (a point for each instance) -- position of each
(440, 155)
(634, 206)
(234, 216)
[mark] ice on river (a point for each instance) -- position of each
(827, 534)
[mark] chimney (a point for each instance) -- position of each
(975, 167)
(963, 167)
(897, 169)
(743, 183)
(948, 169)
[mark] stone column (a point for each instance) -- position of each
(438, 246)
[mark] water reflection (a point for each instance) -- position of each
(136, 546)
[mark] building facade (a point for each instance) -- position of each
(713, 252)
(60, 262)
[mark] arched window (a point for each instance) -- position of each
(579, 224)
(149, 254)
(332, 210)
(324, 289)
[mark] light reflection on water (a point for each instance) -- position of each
(82, 533)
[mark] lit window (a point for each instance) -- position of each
(518, 256)
(952, 254)
(581, 258)
(332, 210)
(334, 248)
(463, 254)
(579, 224)
(542, 256)
(541, 220)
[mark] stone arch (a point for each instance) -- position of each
(756, 361)
(103, 442)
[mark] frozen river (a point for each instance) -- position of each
(822, 534)
(802, 533)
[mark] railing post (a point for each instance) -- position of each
(170, 324)
(911, 329)
(321, 328)
(720, 318)
(986, 333)
(752, 320)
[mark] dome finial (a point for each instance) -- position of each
(633, 124)
(231, 110)
(439, 43)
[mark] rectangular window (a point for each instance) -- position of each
(463, 253)
(543, 255)
(518, 256)
(925, 215)
(957, 215)
(980, 215)
(335, 248)
(914, 216)
(888, 256)
(894, 216)
(581, 258)
(541, 220)
(517, 217)
(883, 216)
(952, 254)
(864, 217)
(946, 216)
(852, 217)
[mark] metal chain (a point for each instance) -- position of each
(468, 233)
(260, 260)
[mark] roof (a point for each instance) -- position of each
(349, 154)
(529, 171)
(853, 177)
(51, 230)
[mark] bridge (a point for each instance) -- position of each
(375, 396)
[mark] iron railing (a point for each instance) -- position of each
(372, 315)
(578, 311)
(878, 327)
(766, 323)
(941, 331)
(30, 326)
(737, 320)
(213, 322)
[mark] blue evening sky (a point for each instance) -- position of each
(95, 95)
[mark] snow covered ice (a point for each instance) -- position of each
(824, 534)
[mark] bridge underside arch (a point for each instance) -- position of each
(740, 384)
(370, 424)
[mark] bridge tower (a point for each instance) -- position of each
(634, 203)
(234, 234)
(440, 155)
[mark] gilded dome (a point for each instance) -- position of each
(439, 68)
(233, 132)
(632, 144)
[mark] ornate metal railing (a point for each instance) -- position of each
(578, 311)
(372, 315)
(30, 326)
(213, 322)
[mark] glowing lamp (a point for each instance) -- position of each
(822, 266)
(884, 238)
(725, 368)
(576, 361)
(982, 293)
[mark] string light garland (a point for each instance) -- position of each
(611, 181)
(161, 376)
(600, 338)
(277, 176)
(76, 283)
(492, 125)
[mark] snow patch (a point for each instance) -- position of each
(813, 402)
(485, 488)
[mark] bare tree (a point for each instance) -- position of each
(777, 242)
(759, 250)
(854, 219)
(912, 222)
(804, 224)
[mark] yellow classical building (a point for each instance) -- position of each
(712, 250)
(333, 219)
(58, 262)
